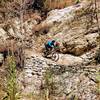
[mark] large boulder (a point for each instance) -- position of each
(69, 27)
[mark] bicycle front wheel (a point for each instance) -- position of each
(55, 56)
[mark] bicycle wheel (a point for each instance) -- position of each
(44, 52)
(55, 56)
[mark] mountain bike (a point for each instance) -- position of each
(52, 54)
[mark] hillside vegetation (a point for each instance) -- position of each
(25, 28)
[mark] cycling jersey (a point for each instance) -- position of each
(50, 43)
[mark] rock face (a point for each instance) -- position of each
(69, 27)
(73, 76)
(13, 32)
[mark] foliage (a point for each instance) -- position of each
(98, 82)
(48, 85)
(97, 56)
(11, 80)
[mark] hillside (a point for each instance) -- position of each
(23, 33)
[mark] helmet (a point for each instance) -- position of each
(57, 43)
(53, 41)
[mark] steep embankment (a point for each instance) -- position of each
(74, 74)
(71, 77)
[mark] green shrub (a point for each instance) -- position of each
(97, 56)
(11, 80)
(48, 86)
(98, 83)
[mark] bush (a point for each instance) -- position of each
(97, 57)
(11, 80)
(48, 86)
(98, 83)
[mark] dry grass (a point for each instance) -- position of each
(8, 45)
(32, 15)
(52, 4)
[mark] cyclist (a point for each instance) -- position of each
(51, 44)
(51, 49)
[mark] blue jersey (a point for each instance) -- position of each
(50, 43)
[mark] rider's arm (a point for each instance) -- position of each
(52, 45)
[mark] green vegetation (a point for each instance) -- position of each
(97, 56)
(48, 86)
(11, 80)
(98, 83)
(48, 83)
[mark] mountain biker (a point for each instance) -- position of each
(51, 44)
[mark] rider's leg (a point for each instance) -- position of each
(48, 48)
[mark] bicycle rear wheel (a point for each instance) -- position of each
(45, 53)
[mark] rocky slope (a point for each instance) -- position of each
(74, 74)
(71, 77)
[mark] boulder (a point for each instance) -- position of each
(69, 27)
(3, 34)
(1, 58)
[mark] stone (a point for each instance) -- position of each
(1, 58)
(3, 34)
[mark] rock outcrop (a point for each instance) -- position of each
(69, 27)
(71, 76)
(74, 74)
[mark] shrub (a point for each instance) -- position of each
(11, 80)
(52, 4)
(98, 83)
(97, 56)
